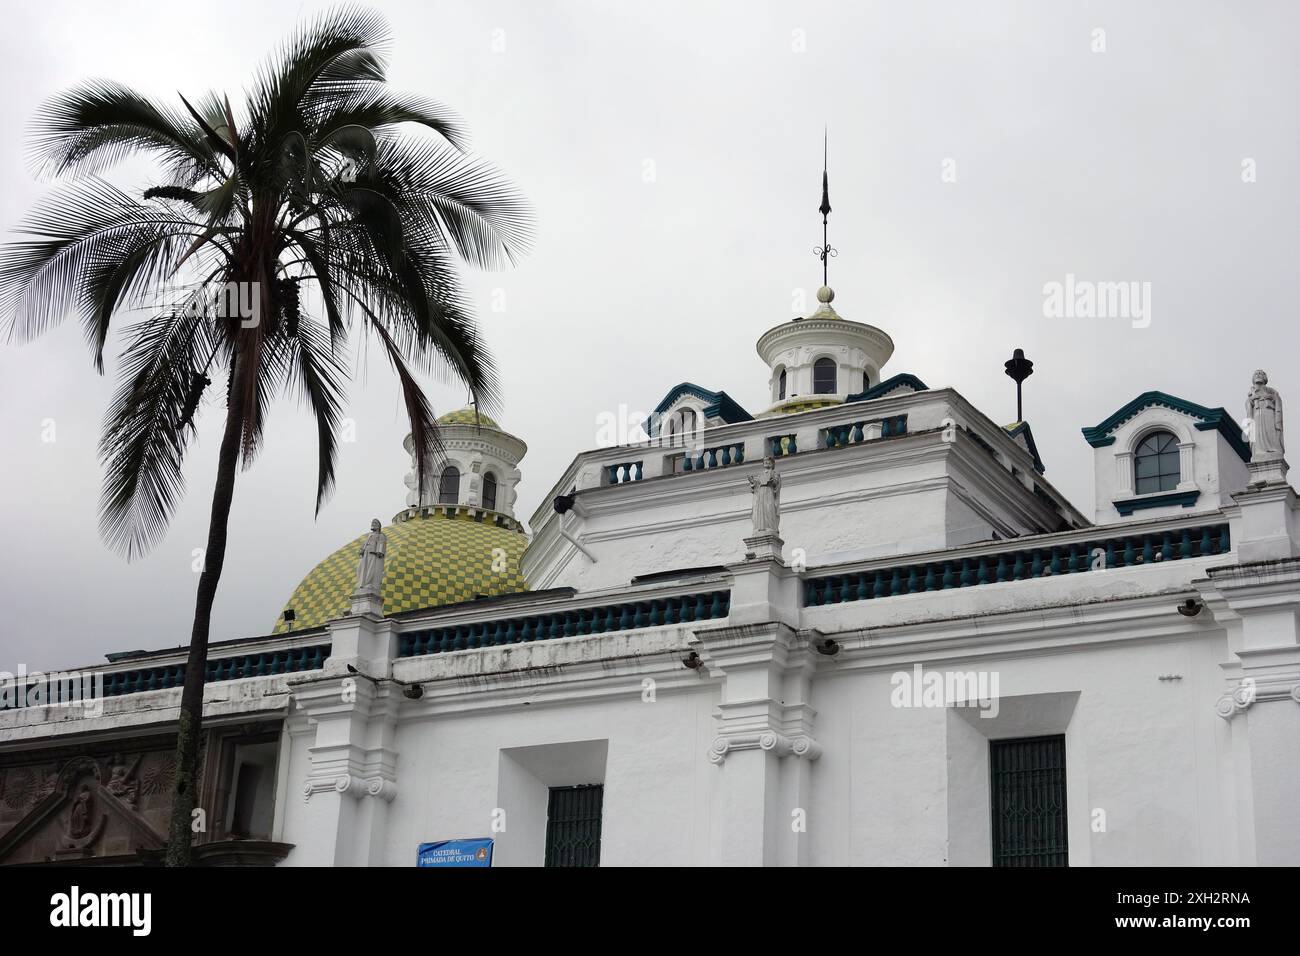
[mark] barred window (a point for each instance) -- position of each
(1028, 802)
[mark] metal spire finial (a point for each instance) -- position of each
(825, 251)
(1019, 368)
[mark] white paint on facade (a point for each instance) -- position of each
(766, 734)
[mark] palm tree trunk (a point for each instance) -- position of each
(189, 733)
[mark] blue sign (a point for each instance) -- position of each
(455, 853)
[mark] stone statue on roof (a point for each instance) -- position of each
(370, 571)
(1264, 409)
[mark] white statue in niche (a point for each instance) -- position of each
(766, 487)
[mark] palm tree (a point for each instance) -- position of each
(327, 202)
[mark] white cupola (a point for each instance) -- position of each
(823, 358)
(478, 469)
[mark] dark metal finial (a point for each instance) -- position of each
(1019, 368)
(825, 250)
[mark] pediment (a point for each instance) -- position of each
(90, 814)
(1202, 417)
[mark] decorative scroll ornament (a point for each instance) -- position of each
(768, 741)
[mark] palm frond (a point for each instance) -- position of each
(318, 375)
(96, 123)
(461, 198)
(145, 430)
(76, 231)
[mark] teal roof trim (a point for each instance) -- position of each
(1022, 428)
(1184, 498)
(1211, 419)
(888, 385)
(716, 405)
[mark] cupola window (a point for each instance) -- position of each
(490, 491)
(1155, 463)
(824, 377)
(780, 386)
(449, 486)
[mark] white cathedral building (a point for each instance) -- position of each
(857, 626)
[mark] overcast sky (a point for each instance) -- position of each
(672, 152)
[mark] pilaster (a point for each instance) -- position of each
(1262, 602)
(764, 719)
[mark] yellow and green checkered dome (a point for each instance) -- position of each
(467, 416)
(432, 559)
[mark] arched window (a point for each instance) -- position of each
(824, 376)
(680, 422)
(780, 386)
(490, 491)
(688, 421)
(449, 486)
(1155, 463)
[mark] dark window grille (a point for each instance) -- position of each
(1028, 802)
(824, 376)
(449, 486)
(573, 825)
(1155, 463)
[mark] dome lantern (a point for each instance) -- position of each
(477, 469)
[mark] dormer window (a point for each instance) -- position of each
(1155, 463)
(824, 377)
